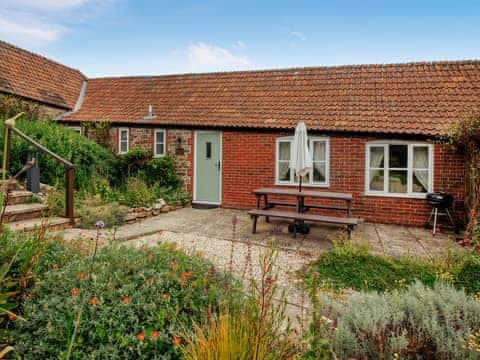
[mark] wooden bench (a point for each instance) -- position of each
(348, 222)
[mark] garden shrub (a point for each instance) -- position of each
(468, 274)
(161, 171)
(93, 208)
(354, 267)
(132, 163)
(137, 193)
(154, 171)
(140, 302)
(24, 260)
(90, 159)
(414, 323)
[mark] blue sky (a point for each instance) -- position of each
(137, 37)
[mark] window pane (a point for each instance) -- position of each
(123, 146)
(420, 181)
(420, 157)
(377, 156)
(159, 149)
(284, 150)
(319, 172)
(397, 181)
(319, 150)
(159, 138)
(208, 150)
(376, 180)
(305, 179)
(123, 135)
(398, 156)
(283, 171)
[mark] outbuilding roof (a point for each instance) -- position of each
(410, 98)
(37, 78)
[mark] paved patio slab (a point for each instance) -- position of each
(218, 223)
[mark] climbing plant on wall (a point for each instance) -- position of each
(464, 136)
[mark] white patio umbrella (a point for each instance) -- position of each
(300, 158)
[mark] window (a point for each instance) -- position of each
(318, 175)
(123, 135)
(77, 129)
(159, 142)
(399, 169)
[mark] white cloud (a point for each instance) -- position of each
(299, 35)
(206, 57)
(240, 45)
(39, 22)
(296, 36)
(46, 5)
(27, 32)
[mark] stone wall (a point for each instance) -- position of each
(11, 105)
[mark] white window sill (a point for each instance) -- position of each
(304, 185)
(158, 156)
(404, 196)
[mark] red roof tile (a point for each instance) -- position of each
(35, 77)
(415, 98)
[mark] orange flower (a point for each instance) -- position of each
(176, 341)
(182, 283)
(140, 336)
(11, 316)
(170, 275)
(94, 300)
(29, 296)
(75, 291)
(82, 275)
(164, 296)
(143, 248)
(126, 300)
(205, 279)
(173, 266)
(173, 246)
(185, 275)
(150, 281)
(155, 334)
(150, 256)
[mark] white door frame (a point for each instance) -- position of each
(195, 142)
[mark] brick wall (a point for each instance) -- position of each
(249, 163)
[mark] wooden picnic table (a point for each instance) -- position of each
(300, 199)
(301, 207)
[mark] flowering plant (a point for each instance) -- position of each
(137, 305)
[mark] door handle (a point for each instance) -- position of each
(218, 165)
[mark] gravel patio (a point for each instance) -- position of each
(209, 233)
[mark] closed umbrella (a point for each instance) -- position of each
(300, 158)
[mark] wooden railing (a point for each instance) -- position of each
(11, 129)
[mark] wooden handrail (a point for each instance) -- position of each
(69, 177)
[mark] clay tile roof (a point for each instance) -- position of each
(37, 78)
(413, 98)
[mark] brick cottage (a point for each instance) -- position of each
(373, 129)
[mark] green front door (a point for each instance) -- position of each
(208, 168)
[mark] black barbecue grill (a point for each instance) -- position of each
(440, 203)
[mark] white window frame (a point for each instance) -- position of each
(155, 142)
(410, 146)
(310, 183)
(120, 139)
(77, 129)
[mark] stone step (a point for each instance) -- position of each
(52, 223)
(24, 212)
(19, 197)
